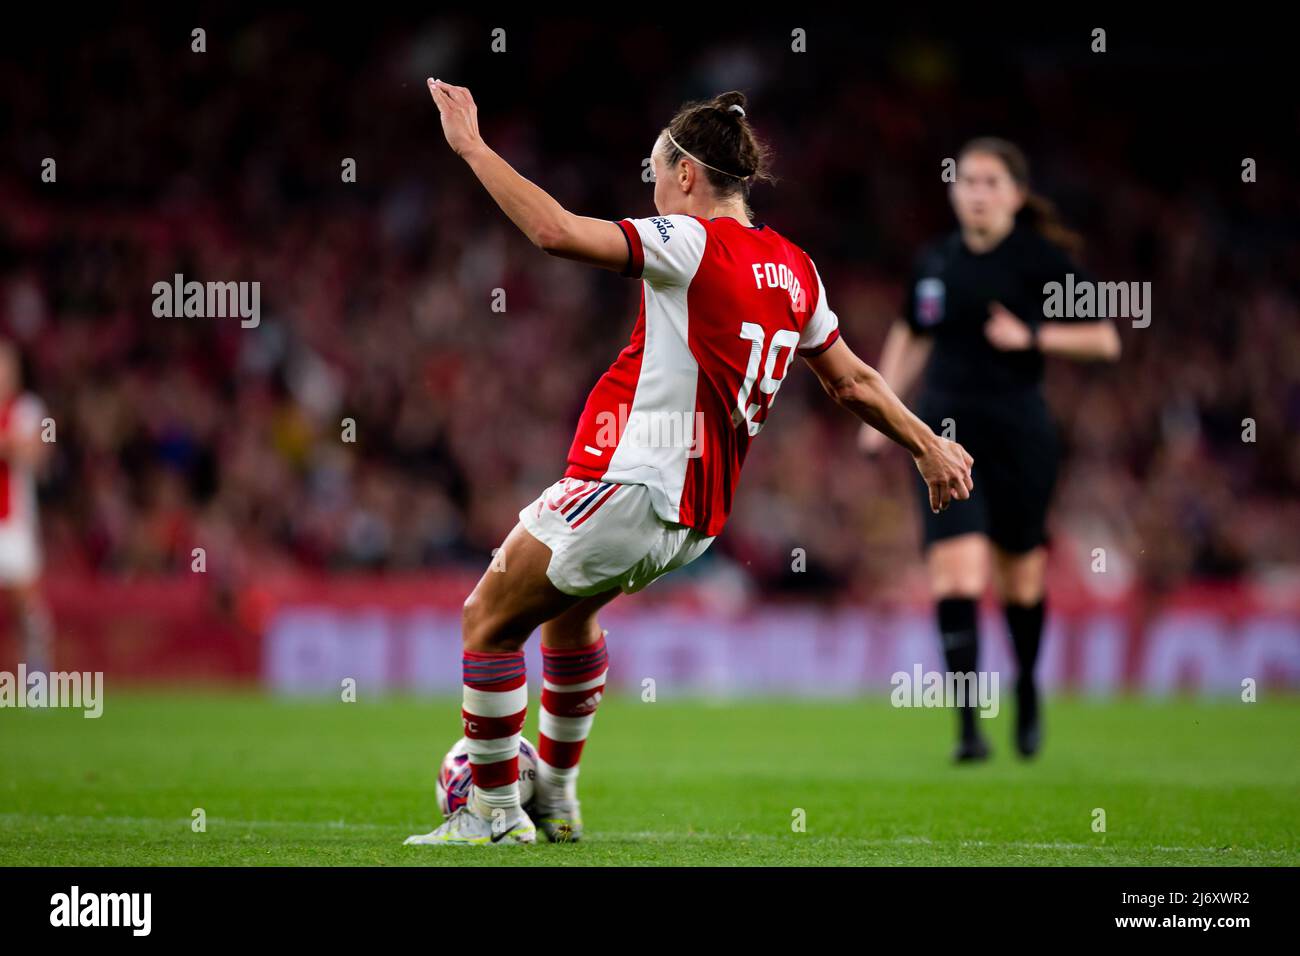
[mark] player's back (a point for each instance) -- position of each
(724, 309)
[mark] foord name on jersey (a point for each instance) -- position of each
(779, 276)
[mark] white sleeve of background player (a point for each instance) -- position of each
(665, 250)
(823, 326)
(27, 416)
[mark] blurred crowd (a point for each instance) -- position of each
(377, 296)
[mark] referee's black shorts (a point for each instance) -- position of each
(1016, 449)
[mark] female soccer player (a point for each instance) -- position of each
(975, 322)
(22, 457)
(653, 467)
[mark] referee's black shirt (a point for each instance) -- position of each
(949, 298)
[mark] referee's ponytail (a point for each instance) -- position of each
(1038, 212)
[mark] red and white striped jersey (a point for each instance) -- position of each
(20, 416)
(724, 308)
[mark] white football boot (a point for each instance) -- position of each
(467, 828)
(561, 820)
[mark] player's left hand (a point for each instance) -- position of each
(945, 468)
(1005, 331)
(459, 115)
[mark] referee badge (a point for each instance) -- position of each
(929, 301)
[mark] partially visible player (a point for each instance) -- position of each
(652, 471)
(22, 452)
(974, 323)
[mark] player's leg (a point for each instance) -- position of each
(1018, 508)
(576, 546)
(574, 668)
(1018, 513)
(512, 599)
(959, 570)
(957, 554)
(29, 611)
(1021, 581)
(620, 547)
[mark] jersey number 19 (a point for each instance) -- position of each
(745, 411)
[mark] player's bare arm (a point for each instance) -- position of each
(1081, 341)
(943, 464)
(546, 223)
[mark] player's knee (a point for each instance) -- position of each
(957, 583)
(1020, 580)
(1023, 589)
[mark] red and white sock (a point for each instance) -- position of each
(495, 703)
(573, 681)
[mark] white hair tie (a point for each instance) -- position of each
(700, 161)
(738, 108)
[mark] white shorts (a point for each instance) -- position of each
(604, 535)
(20, 556)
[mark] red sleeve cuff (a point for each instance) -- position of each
(819, 349)
(635, 251)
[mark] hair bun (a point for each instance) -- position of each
(733, 101)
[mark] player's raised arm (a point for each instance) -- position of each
(546, 223)
(853, 383)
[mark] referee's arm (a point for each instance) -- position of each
(1082, 341)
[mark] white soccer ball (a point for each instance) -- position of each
(455, 783)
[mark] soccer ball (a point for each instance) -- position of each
(454, 781)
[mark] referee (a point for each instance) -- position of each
(974, 322)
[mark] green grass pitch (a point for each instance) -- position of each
(310, 781)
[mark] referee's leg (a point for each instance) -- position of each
(959, 573)
(1018, 508)
(957, 558)
(1021, 580)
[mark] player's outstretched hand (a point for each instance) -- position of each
(945, 466)
(459, 115)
